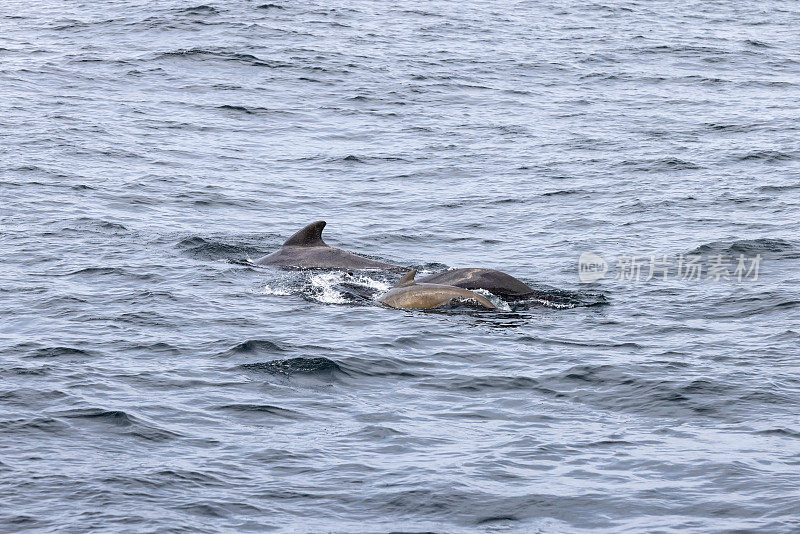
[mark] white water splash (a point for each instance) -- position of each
(323, 290)
(556, 305)
(278, 290)
(499, 303)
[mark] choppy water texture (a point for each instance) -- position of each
(152, 380)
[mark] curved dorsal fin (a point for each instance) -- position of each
(408, 279)
(309, 236)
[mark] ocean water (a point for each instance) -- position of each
(152, 379)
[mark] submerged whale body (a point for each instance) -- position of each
(408, 294)
(306, 250)
(495, 282)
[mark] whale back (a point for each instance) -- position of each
(496, 282)
(308, 236)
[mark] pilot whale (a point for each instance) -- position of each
(306, 250)
(495, 282)
(408, 294)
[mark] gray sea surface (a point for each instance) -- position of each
(152, 379)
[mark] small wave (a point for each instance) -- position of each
(787, 187)
(292, 366)
(561, 192)
(768, 156)
(564, 299)
(206, 249)
(128, 424)
(61, 352)
(96, 270)
(85, 223)
(744, 246)
(241, 109)
(113, 417)
(735, 128)
(783, 432)
(482, 384)
(661, 165)
(39, 425)
(199, 10)
(608, 386)
(255, 110)
(269, 6)
(510, 201)
(224, 55)
(254, 346)
(265, 409)
(757, 44)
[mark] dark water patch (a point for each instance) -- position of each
(187, 477)
(89, 224)
(578, 343)
(509, 201)
(660, 165)
(256, 110)
(757, 44)
(750, 305)
(375, 433)
(782, 432)
(317, 367)
(269, 6)
(562, 192)
(787, 335)
(208, 249)
(630, 390)
(766, 156)
(111, 417)
(254, 347)
(199, 10)
(145, 318)
(61, 352)
(561, 298)
(770, 84)
(241, 109)
(748, 247)
(200, 54)
(261, 409)
(155, 348)
(778, 188)
(122, 422)
(32, 396)
(483, 384)
(95, 272)
(37, 425)
(733, 128)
